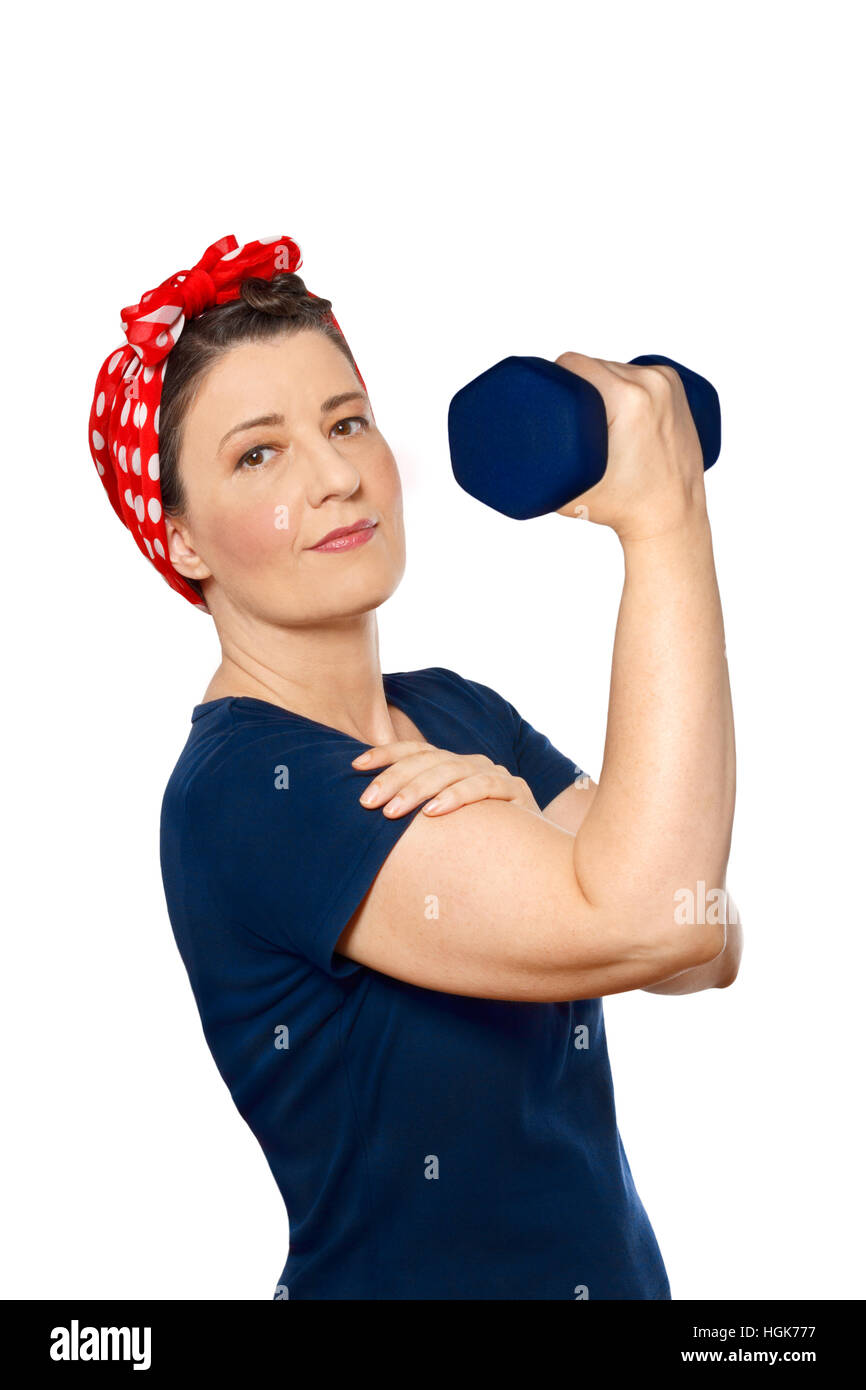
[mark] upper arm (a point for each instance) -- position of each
(485, 902)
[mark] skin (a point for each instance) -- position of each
(545, 903)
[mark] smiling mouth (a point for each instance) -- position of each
(345, 537)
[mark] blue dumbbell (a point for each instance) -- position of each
(527, 435)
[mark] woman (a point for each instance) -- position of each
(399, 905)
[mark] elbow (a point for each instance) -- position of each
(687, 947)
(733, 947)
(697, 930)
(707, 943)
(670, 934)
(730, 964)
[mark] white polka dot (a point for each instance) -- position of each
(100, 467)
(162, 339)
(100, 403)
(156, 420)
(124, 414)
(112, 366)
(121, 457)
(127, 497)
(153, 466)
(136, 461)
(268, 240)
(149, 547)
(142, 414)
(154, 510)
(230, 255)
(135, 416)
(157, 545)
(148, 373)
(139, 507)
(98, 441)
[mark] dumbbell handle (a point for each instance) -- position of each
(527, 436)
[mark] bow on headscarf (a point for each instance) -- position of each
(124, 417)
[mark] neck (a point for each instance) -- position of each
(330, 673)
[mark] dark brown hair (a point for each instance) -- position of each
(265, 309)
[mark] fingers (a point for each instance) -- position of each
(481, 786)
(616, 382)
(606, 375)
(595, 370)
(396, 799)
(416, 775)
(380, 753)
(654, 465)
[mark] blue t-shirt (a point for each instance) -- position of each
(427, 1145)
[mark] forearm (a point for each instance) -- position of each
(659, 826)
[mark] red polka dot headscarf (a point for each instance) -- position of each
(124, 417)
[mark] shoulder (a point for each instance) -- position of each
(524, 748)
(240, 752)
(460, 690)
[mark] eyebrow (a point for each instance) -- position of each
(273, 419)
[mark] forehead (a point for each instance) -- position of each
(291, 374)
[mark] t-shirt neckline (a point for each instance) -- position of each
(388, 679)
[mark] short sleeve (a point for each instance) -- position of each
(544, 767)
(290, 849)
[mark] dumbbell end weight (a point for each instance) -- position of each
(527, 436)
(523, 433)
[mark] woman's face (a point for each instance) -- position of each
(270, 463)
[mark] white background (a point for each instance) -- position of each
(466, 181)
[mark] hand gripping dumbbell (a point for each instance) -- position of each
(527, 435)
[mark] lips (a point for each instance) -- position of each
(364, 525)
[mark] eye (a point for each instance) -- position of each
(353, 420)
(254, 458)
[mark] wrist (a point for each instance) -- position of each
(688, 523)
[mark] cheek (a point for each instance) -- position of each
(253, 534)
(384, 477)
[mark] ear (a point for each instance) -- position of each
(182, 552)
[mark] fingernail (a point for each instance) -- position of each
(362, 758)
(431, 805)
(394, 806)
(371, 793)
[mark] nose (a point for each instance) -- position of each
(329, 473)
